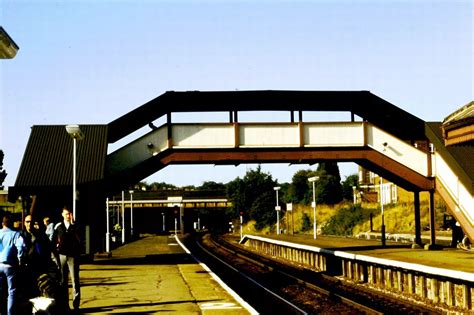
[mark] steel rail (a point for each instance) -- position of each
(330, 294)
(252, 280)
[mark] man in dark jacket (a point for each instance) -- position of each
(68, 241)
(39, 254)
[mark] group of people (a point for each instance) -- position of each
(37, 261)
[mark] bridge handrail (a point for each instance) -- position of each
(454, 187)
(268, 135)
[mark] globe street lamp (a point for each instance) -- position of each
(277, 208)
(75, 132)
(313, 204)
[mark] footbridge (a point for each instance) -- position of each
(379, 136)
(376, 134)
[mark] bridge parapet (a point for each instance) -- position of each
(458, 197)
(356, 135)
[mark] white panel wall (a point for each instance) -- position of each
(138, 151)
(459, 193)
(334, 135)
(397, 150)
(281, 135)
(203, 136)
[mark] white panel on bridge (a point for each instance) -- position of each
(334, 135)
(278, 135)
(397, 150)
(203, 136)
(138, 150)
(455, 188)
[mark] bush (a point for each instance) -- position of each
(306, 223)
(345, 219)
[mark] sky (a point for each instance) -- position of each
(91, 61)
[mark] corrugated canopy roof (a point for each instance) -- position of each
(48, 158)
(362, 103)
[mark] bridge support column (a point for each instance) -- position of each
(417, 220)
(181, 218)
(432, 244)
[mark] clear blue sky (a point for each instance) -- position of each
(89, 62)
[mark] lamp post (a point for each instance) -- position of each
(277, 208)
(163, 224)
(123, 217)
(313, 204)
(107, 234)
(131, 213)
(382, 213)
(75, 132)
(241, 224)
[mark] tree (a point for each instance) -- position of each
(3, 173)
(161, 186)
(351, 181)
(254, 197)
(297, 191)
(210, 185)
(328, 187)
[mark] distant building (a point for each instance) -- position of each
(4, 204)
(370, 188)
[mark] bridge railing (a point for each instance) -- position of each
(398, 150)
(454, 192)
(269, 135)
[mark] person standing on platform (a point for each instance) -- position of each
(49, 227)
(40, 259)
(68, 243)
(12, 248)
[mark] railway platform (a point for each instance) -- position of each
(447, 257)
(444, 277)
(154, 275)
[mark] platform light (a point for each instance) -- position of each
(313, 204)
(76, 134)
(277, 208)
(131, 212)
(382, 200)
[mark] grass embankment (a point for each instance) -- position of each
(349, 220)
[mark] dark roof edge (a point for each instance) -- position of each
(254, 100)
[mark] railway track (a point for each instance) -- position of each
(274, 286)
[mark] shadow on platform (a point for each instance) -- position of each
(368, 247)
(111, 308)
(161, 259)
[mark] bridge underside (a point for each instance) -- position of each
(366, 157)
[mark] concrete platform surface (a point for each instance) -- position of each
(149, 276)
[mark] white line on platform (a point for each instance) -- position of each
(237, 297)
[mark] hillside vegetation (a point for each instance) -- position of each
(346, 219)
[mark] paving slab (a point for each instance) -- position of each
(149, 276)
